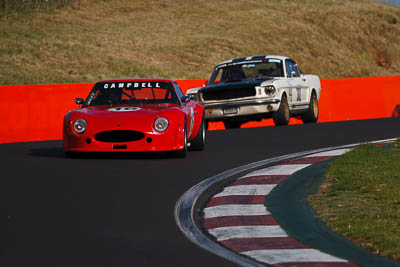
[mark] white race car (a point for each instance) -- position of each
(254, 88)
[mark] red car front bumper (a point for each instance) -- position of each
(171, 139)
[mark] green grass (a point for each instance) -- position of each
(361, 198)
(89, 40)
(28, 6)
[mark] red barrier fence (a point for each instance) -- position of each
(35, 112)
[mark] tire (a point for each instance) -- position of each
(311, 115)
(181, 153)
(282, 115)
(199, 141)
(231, 124)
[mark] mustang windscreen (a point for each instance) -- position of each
(256, 69)
(121, 93)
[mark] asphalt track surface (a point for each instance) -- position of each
(119, 211)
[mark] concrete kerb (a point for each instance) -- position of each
(186, 208)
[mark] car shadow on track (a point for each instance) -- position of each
(48, 152)
(58, 152)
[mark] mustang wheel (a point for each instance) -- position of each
(311, 115)
(199, 141)
(282, 116)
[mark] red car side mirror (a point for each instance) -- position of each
(185, 98)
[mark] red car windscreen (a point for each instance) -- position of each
(131, 93)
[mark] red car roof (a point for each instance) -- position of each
(139, 79)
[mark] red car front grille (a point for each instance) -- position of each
(119, 136)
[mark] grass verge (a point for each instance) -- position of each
(361, 198)
(8, 7)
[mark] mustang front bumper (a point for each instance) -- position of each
(240, 108)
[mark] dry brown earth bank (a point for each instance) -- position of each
(92, 39)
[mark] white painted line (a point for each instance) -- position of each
(224, 233)
(247, 190)
(278, 170)
(235, 210)
(331, 153)
(274, 256)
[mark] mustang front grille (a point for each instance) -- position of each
(118, 136)
(230, 93)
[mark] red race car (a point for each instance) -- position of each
(135, 115)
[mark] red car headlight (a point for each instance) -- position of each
(161, 124)
(80, 126)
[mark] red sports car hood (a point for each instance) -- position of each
(123, 110)
(123, 116)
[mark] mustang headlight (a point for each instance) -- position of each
(80, 125)
(269, 89)
(194, 97)
(161, 124)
